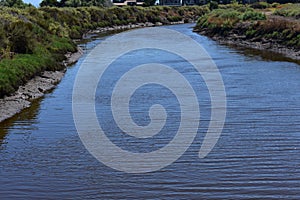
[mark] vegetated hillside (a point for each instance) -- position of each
(255, 25)
(33, 40)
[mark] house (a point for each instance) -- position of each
(191, 2)
(158, 2)
(128, 2)
(170, 2)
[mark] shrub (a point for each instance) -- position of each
(253, 15)
(213, 5)
(288, 10)
(275, 5)
(260, 5)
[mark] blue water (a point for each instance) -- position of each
(256, 157)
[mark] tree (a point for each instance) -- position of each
(74, 3)
(213, 5)
(149, 2)
(12, 3)
(51, 3)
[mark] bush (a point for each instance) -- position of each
(253, 15)
(213, 5)
(289, 11)
(245, 21)
(260, 5)
(221, 21)
(275, 5)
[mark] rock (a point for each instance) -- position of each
(72, 58)
(11, 107)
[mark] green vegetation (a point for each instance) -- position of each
(149, 2)
(13, 3)
(74, 3)
(213, 5)
(221, 21)
(289, 10)
(33, 40)
(260, 5)
(279, 30)
(28, 46)
(244, 21)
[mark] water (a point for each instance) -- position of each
(257, 156)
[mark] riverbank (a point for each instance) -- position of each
(132, 26)
(34, 89)
(246, 27)
(35, 40)
(39, 85)
(240, 40)
(35, 67)
(263, 45)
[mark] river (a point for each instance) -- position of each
(256, 157)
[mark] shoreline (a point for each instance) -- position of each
(260, 45)
(237, 36)
(130, 26)
(38, 86)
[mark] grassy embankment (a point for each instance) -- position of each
(34, 40)
(260, 22)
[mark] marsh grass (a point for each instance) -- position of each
(220, 21)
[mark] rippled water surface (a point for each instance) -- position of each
(257, 156)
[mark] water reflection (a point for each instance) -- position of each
(23, 121)
(261, 54)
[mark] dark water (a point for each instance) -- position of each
(257, 156)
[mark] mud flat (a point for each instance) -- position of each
(259, 44)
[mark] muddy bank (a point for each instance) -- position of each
(130, 26)
(259, 44)
(34, 89)
(274, 34)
